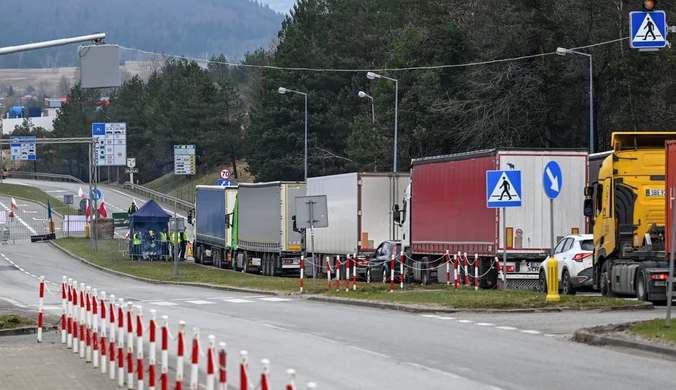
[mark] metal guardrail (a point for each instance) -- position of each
(43, 176)
(158, 196)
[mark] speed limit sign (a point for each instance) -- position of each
(225, 174)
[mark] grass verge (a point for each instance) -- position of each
(11, 321)
(110, 257)
(654, 329)
(32, 193)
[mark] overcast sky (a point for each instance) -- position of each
(280, 5)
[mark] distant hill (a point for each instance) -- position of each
(196, 28)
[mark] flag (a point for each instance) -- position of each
(81, 193)
(49, 210)
(88, 211)
(14, 206)
(102, 209)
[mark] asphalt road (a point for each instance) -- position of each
(343, 347)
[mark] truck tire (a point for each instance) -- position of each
(245, 262)
(641, 289)
(542, 282)
(264, 264)
(200, 257)
(566, 286)
(606, 289)
(424, 266)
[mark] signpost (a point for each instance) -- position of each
(312, 212)
(22, 148)
(648, 30)
(184, 160)
(552, 180)
(111, 149)
(225, 174)
(224, 183)
(131, 169)
(503, 190)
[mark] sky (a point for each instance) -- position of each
(280, 5)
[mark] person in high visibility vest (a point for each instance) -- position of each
(182, 242)
(133, 208)
(136, 241)
(172, 243)
(163, 242)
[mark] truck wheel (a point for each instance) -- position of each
(200, 257)
(566, 286)
(264, 264)
(368, 275)
(606, 289)
(245, 262)
(542, 282)
(424, 271)
(641, 290)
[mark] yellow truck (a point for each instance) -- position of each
(626, 205)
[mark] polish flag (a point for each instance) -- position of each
(102, 209)
(88, 211)
(14, 206)
(81, 193)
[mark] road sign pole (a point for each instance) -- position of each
(504, 249)
(551, 228)
(176, 243)
(312, 238)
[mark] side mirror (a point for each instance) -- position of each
(227, 221)
(396, 214)
(190, 217)
(588, 191)
(589, 208)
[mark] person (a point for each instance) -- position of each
(136, 244)
(183, 243)
(133, 208)
(164, 245)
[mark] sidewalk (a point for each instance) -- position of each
(25, 364)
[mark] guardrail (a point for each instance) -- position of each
(43, 176)
(158, 196)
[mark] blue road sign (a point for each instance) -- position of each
(224, 183)
(552, 179)
(95, 194)
(503, 189)
(22, 148)
(648, 30)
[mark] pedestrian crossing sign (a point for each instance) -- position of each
(503, 189)
(648, 30)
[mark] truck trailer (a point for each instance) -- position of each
(445, 209)
(360, 213)
(627, 203)
(213, 242)
(264, 239)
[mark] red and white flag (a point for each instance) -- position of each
(14, 206)
(81, 193)
(102, 209)
(88, 211)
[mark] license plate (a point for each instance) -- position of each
(433, 274)
(655, 192)
(660, 283)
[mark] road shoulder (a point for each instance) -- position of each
(618, 336)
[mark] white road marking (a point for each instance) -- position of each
(237, 300)
(254, 296)
(163, 303)
(416, 365)
(370, 352)
(13, 302)
(484, 324)
(277, 327)
(506, 327)
(274, 299)
(222, 298)
(465, 321)
(201, 302)
(530, 331)
(185, 299)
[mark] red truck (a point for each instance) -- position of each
(445, 209)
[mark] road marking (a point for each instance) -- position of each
(550, 335)
(185, 299)
(13, 302)
(163, 303)
(506, 327)
(484, 324)
(201, 302)
(274, 299)
(530, 331)
(236, 300)
(416, 365)
(370, 352)
(254, 296)
(465, 321)
(277, 327)
(222, 298)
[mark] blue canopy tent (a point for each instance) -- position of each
(148, 221)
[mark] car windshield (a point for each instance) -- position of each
(587, 245)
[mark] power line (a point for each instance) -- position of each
(433, 67)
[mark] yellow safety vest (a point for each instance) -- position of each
(172, 237)
(183, 237)
(137, 240)
(163, 236)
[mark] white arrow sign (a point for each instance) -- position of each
(554, 180)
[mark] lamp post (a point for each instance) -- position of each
(562, 52)
(362, 95)
(283, 90)
(372, 76)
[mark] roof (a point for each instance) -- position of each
(150, 212)
(488, 153)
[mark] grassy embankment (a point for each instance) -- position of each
(11, 321)
(655, 329)
(35, 194)
(112, 258)
(183, 187)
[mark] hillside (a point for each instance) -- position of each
(198, 28)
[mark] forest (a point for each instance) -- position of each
(470, 75)
(198, 28)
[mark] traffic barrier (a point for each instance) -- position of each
(448, 268)
(476, 271)
(455, 272)
(328, 270)
(337, 273)
(302, 272)
(347, 273)
(64, 308)
(466, 273)
(354, 272)
(40, 303)
(291, 385)
(90, 316)
(392, 273)
(401, 271)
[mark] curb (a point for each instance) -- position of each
(153, 281)
(582, 336)
(421, 309)
(24, 330)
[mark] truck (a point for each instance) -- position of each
(360, 207)
(627, 204)
(445, 209)
(264, 238)
(213, 238)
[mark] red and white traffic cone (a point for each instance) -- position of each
(139, 348)
(41, 302)
(165, 354)
(291, 385)
(152, 351)
(222, 367)
(244, 370)
(104, 336)
(194, 368)
(211, 364)
(265, 375)
(179, 355)
(64, 307)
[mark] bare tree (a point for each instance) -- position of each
(64, 86)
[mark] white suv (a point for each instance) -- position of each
(574, 254)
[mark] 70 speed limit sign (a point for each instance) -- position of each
(225, 174)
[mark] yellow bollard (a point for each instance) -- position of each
(552, 280)
(87, 230)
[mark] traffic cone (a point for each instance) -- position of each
(189, 254)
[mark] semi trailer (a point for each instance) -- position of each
(213, 238)
(629, 206)
(360, 210)
(445, 209)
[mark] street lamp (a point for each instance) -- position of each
(362, 95)
(283, 90)
(372, 76)
(562, 52)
